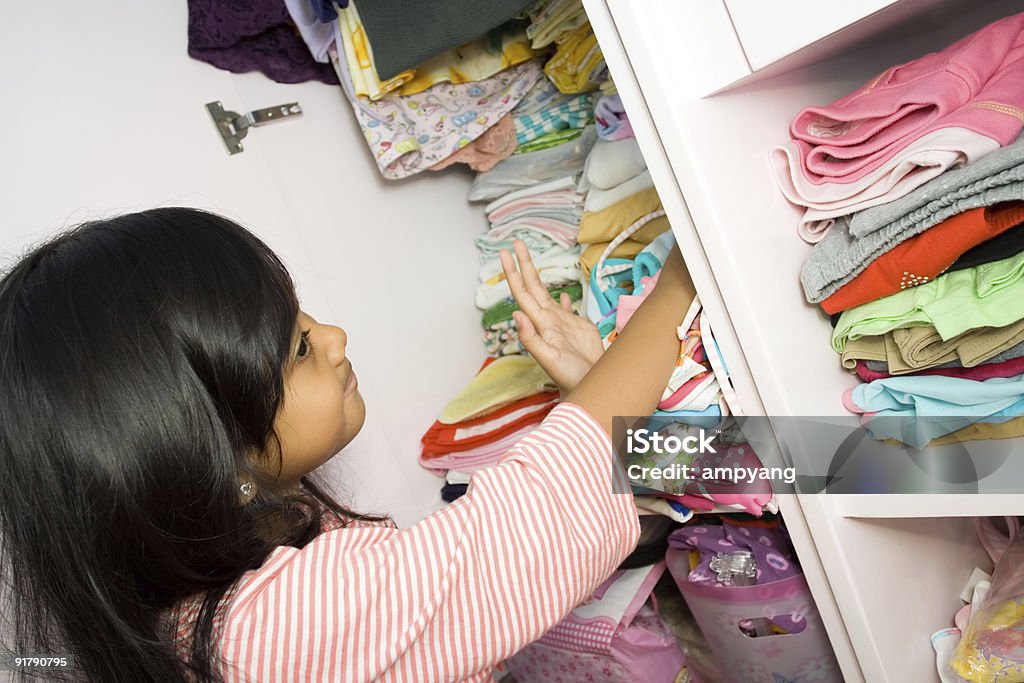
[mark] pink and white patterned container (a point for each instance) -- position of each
(796, 657)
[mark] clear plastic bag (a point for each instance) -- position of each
(522, 170)
(992, 647)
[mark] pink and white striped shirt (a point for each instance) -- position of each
(450, 597)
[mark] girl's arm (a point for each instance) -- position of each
(631, 375)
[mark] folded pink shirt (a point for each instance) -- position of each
(905, 127)
(976, 83)
(826, 198)
(566, 199)
(1006, 368)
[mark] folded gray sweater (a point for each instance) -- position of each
(855, 241)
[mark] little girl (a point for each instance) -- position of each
(164, 403)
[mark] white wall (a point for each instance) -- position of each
(103, 113)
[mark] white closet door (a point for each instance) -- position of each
(104, 113)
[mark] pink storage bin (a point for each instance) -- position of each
(796, 657)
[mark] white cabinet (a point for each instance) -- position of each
(886, 571)
(109, 115)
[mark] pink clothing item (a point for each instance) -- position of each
(847, 400)
(828, 198)
(977, 83)
(562, 234)
(696, 394)
(484, 153)
(628, 303)
(1007, 368)
(751, 497)
(364, 603)
(560, 200)
(689, 500)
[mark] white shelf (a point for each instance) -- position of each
(771, 30)
(776, 38)
(928, 505)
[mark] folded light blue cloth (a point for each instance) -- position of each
(651, 258)
(708, 418)
(917, 409)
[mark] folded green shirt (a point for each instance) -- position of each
(549, 140)
(989, 295)
(502, 310)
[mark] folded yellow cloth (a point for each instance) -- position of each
(604, 225)
(979, 431)
(555, 20)
(359, 58)
(910, 349)
(577, 56)
(507, 379)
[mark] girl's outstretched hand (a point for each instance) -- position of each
(564, 344)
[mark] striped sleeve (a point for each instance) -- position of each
(450, 597)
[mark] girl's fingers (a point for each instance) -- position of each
(526, 300)
(530, 276)
(566, 302)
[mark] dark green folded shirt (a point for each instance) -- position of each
(404, 33)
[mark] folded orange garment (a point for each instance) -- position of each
(922, 258)
(441, 438)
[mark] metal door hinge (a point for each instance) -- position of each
(233, 126)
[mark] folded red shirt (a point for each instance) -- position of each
(508, 419)
(925, 256)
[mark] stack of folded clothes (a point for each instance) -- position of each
(913, 187)
(505, 401)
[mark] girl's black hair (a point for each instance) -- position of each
(141, 368)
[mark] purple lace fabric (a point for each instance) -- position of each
(252, 35)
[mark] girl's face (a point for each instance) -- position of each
(322, 409)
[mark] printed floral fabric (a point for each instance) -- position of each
(407, 135)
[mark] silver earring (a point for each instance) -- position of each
(247, 488)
